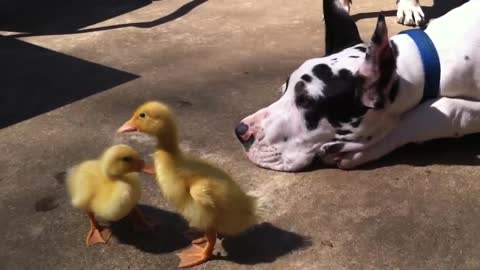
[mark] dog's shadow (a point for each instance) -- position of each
(263, 243)
(456, 151)
(166, 236)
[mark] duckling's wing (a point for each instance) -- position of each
(201, 193)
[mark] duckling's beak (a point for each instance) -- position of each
(127, 127)
(140, 165)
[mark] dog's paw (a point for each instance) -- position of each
(331, 148)
(410, 13)
(350, 160)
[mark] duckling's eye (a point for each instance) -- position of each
(142, 115)
(127, 159)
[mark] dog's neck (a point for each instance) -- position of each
(410, 74)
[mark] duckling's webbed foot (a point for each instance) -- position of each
(97, 234)
(196, 254)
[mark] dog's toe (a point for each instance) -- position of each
(350, 161)
(332, 148)
(410, 13)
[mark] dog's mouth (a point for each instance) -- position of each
(267, 157)
(247, 142)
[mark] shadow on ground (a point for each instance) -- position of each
(103, 13)
(61, 16)
(439, 8)
(37, 80)
(262, 244)
(167, 236)
(464, 151)
(454, 151)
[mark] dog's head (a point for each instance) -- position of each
(325, 99)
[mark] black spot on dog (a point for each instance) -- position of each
(360, 48)
(46, 204)
(285, 139)
(354, 56)
(307, 78)
(302, 97)
(356, 122)
(466, 58)
(339, 103)
(334, 59)
(323, 72)
(343, 132)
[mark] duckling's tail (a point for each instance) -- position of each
(260, 206)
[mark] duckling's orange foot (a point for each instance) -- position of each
(98, 236)
(193, 256)
(200, 240)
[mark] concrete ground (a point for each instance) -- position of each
(71, 79)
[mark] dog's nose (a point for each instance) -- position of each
(241, 129)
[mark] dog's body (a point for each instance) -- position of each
(354, 102)
(409, 12)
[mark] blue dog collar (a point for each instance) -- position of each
(430, 60)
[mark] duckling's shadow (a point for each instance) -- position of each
(166, 236)
(263, 243)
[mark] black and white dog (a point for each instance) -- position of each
(409, 12)
(360, 101)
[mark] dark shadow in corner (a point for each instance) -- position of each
(36, 80)
(61, 16)
(439, 8)
(459, 151)
(183, 10)
(263, 243)
(166, 237)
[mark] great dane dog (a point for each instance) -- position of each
(362, 101)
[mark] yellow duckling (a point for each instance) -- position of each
(107, 188)
(204, 195)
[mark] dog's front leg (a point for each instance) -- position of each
(435, 119)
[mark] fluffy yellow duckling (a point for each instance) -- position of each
(204, 195)
(107, 188)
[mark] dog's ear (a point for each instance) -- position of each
(377, 71)
(340, 29)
